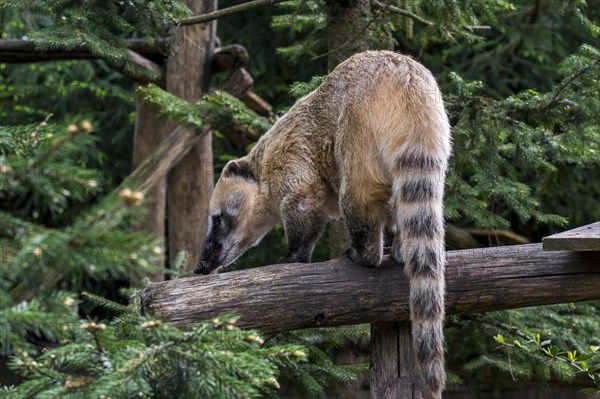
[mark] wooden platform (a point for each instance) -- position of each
(585, 238)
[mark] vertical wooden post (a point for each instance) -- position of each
(147, 136)
(190, 183)
(393, 363)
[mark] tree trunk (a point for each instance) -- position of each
(346, 33)
(190, 183)
(147, 136)
(346, 36)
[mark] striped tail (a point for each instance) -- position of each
(419, 244)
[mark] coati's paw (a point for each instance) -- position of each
(396, 252)
(364, 258)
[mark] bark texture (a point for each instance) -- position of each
(339, 292)
(190, 183)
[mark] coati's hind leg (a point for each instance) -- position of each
(364, 212)
(303, 222)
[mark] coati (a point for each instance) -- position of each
(371, 145)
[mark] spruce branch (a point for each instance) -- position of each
(565, 83)
(202, 18)
(403, 12)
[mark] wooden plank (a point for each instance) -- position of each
(339, 292)
(392, 362)
(585, 238)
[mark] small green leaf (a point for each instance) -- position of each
(500, 339)
(517, 343)
(572, 355)
(553, 350)
(584, 357)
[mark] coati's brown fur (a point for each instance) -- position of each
(371, 144)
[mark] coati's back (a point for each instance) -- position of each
(376, 106)
(371, 142)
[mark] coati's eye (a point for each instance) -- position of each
(223, 222)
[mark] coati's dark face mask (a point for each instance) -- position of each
(234, 223)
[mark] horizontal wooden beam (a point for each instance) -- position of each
(25, 51)
(584, 238)
(339, 292)
(19, 51)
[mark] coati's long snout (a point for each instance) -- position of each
(237, 219)
(210, 258)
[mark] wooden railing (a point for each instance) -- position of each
(339, 292)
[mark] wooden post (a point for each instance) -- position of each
(393, 362)
(190, 183)
(147, 137)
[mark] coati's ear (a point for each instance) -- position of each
(239, 168)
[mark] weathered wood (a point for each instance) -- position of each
(145, 64)
(256, 103)
(392, 362)
(229, 57)
(147, 137)
(238, 83)
(20, 51)
(24, 51)
(190, 183)
(585, 238)
(339, 292)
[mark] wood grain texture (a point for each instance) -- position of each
(585, 238)
(190, 182)
(25, 51)
(392, 362)
(147, 137)
(339, 292)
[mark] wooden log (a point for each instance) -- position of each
(238, 83)
(339, 292)
(22, 51)
(190, 183)
(392, 362)
(147, 137)
(585, 238)
(229, 57)
(256, 103)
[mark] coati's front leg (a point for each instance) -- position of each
(303, 221)
(363, 214)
